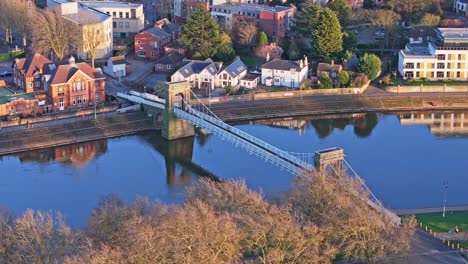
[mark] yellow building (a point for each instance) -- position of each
(441, 57)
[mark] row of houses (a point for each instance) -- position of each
(209, 75)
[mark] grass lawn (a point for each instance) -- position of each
(437, 223)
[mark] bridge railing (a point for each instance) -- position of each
(205, 113)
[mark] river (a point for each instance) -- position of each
(404, 158)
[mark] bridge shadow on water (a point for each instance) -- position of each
(178, 152)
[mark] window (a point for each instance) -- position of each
(97, 98)
(114, 14)
(418, 65)
(154, 54)
(155, 44)
(169, 66)
(120, 24)
(141, 53)
(30, 85)
(448, 65)
(159, 66)
(114, 24)
(459, 57)
(409, 74)
(133, 12)
(127, 15)
(458, 74)
(120, 14)
(440, 75)
(127, 24)
(78, 85)
(409, 66)
(417, 74)
(458, 65)
(441, 57)
(138, 41)
(74, 101)
(37, 83)
(440, 66)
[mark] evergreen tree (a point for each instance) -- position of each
(343, 79)
(341, 9)
(327, 38)
(370, 65)
(293, 51)
(308, 18)
(262, 39)
(201, 33)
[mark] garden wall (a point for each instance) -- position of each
(446, 88)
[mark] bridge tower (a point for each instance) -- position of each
(331, 158)
(173, 127)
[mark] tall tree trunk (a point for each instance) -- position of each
(92, 62)
(7, 36)
(24, 41)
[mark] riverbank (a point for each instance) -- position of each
(76, 132)
(320, 105)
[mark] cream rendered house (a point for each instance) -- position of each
(86, 19)
(285, 72)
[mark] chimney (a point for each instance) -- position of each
(71, 61)
(332, 62)
(268, 57)
(306, 61)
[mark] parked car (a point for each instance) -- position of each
(6, 74)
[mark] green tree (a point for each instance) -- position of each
(327, 38)
(224, 51)
(341, 9)
(343, 78)
(368, 4)
(293, 51)
(262, 39)
(307, 18)
(201, 33)
(350, 41)
(430, 20)
(370, 65)
(325, 81)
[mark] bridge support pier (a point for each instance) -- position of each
(173, 127)
(331, 158)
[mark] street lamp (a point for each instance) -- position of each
(445, 196)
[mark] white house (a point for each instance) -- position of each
(232, 73)
(200, 74)
(285, 72)
(208, 74)
(115, 66)
(461, 7)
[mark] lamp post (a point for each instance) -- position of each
(445, 196)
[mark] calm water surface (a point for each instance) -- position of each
(404, 159)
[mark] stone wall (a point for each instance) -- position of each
(446, 88)
(284, 94)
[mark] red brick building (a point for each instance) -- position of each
(28, 71)
(73, 86)
(275, 21)
(150, 44)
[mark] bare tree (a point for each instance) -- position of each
(93, 38)
(339, 203)
(51, 33)
(247, 33)
(21, 19)
(6, 18)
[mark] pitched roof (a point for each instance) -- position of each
(175, 45)
(3, 83)
(235, 68)
(157, 33)
(328, 67)
(195, 67)
(31, 65)
(118, 60)
(285, 65)
(171, 58)
(167, 25)
(64, 72)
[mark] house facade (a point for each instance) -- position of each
(169, 62)
(460, 7)
(331, 69)
(24, 104)
(285, 72)
(73, 86)
(87, 19)
(210, 75)
(127, 18)
(274, 21)
(443, 57)
(28, 71)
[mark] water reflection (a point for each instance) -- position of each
(325, 125)
(442, 124)
(78, 155)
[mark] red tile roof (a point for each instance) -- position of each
(64, 72)
(30, 66)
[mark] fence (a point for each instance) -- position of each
(56, 118)
(428, 89)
